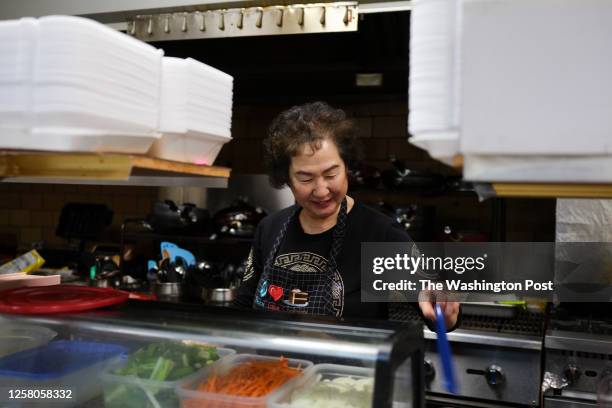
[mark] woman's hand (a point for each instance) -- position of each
(449, 309)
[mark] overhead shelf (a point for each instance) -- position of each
(551, 190)
(544, 190)
(106, 169)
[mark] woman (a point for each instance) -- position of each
(306, 258)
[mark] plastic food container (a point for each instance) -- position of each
(339, 395)
(190, 398)
(189, 148)
(73, 84)
(15, 337)
(16, 41)
(122, 391)
(195, 111)
(70, 367)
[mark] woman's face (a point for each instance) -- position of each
(318, 179)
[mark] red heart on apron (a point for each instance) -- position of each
(276, 292)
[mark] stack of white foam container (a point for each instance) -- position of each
(196, 111)
(17, 43)
(521, 89)
(537, 91)
(434, 77)
(72, 84)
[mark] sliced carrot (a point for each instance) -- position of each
(251, 379)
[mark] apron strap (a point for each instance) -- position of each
(338, 236)
(280, 237)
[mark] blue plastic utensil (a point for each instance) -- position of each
(445, 352)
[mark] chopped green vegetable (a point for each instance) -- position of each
(168, 361)
(161, 362)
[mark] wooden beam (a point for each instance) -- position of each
(551, 190)
(93, 166)
(457, 161)
(65, 165)
(150, 163)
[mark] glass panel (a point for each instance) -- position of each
(147, 356)
(403, 385)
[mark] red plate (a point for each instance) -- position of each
(58, 299)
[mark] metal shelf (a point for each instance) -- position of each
(106, 169)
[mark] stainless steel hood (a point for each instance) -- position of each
(120, 11)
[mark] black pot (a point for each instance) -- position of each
(416, 220)
(168, 218)
(238, 220)
(364, 177)
(401, 178)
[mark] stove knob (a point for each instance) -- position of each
(572, 373)
(430, 370)
(494, 375)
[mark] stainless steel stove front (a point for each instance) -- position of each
(581, 361)
(489, 367)
(497, 360)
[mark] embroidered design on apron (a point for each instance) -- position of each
(309, 292)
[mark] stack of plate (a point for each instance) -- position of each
(72, 84)
(196, 111)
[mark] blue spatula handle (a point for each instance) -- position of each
(445, 352)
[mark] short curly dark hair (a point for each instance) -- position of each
(309, 123)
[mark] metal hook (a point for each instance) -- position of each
(279, 18)
(240, 19)
(167, 25)
(202, 23)
(184, 25)
(300, 16)
(323, 15)
(222, 21)
(348, 16)
(150, 26)
(259, 20)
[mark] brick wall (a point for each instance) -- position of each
(30, 212)
(382, 129)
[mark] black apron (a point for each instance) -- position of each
(281, 289)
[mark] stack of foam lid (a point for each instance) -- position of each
(72, 84)
(196, 111)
